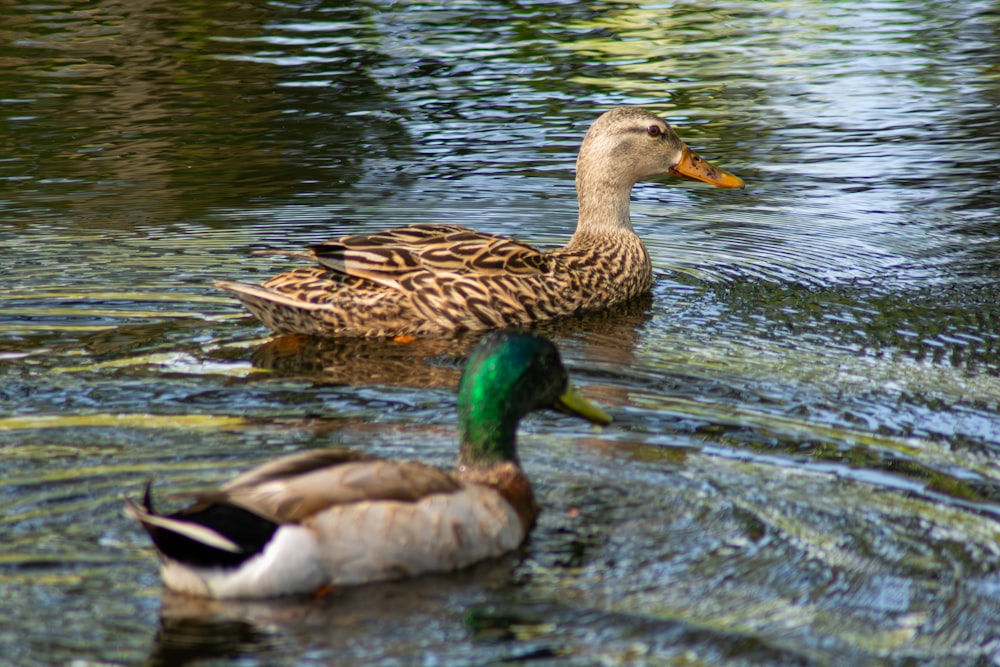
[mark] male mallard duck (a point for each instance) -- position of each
(434, 279)
(305, 522)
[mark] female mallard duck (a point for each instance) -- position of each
(433, 279)
(308, 521)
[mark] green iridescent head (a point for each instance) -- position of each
(509, 374)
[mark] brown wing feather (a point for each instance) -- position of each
(410, 236)
(392, 256)
(296, 487)
(296, 464)
(482, 254)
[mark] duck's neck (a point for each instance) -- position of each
(488, 455)
(604, 202)
(487, 435)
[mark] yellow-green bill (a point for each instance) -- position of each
(574, 403)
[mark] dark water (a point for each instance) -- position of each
(805, 464)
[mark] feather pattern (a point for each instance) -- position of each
(431, 279)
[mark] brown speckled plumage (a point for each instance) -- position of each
(434, 279)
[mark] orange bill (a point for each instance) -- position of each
(694, 167)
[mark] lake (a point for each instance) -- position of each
(804, 467)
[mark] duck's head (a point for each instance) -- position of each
(629, 144)
(508, 375)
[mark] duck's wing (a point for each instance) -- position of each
(293, 465)
(296, 487)
(287, 491)
(393, 256)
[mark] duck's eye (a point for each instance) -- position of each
(654, 131)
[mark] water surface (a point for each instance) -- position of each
(804, 464)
